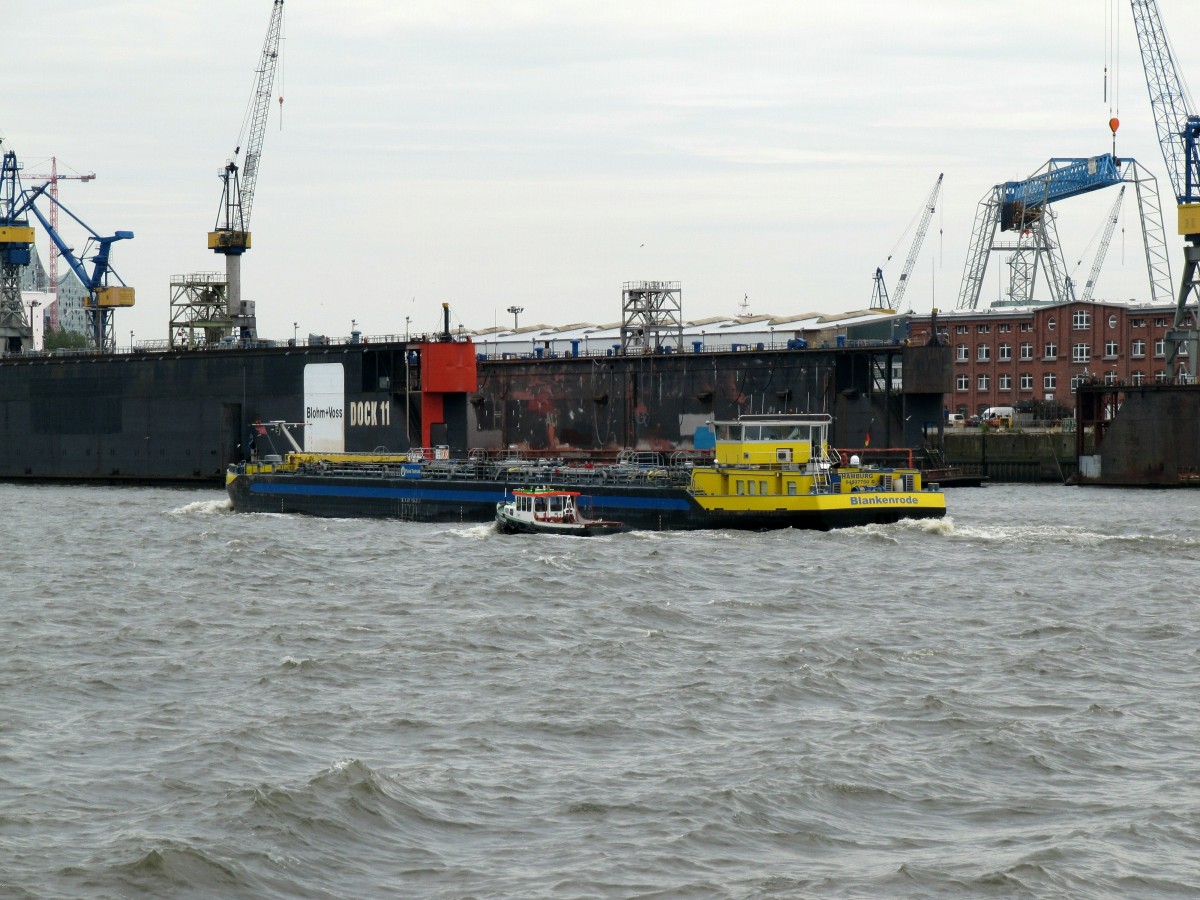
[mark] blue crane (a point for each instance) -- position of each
(231, 236)
(102, 295)
(1023, 207)
(1178, 131)
(16, 238)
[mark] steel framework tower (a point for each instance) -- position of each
(652, 316)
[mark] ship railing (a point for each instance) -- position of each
(879, 457)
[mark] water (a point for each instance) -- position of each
(200, 703)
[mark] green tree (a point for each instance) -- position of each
(62, 339)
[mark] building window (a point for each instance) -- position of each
(960, 329)
(1027, 351)
(1137, 323)
(1081, 318)
(961, 353)
(1076, 381)
(1004, 383)
(962, 383)
(1110, 377)
(1051, 351)
(1139, 348)
(984, 353)
(1110, 349)
(1026, 327)
(1026, 381)
(1160, 347)
(1137, 376)
(983, 329)
(1160, 323)
(1161, 376)
(1049, 381)
(1081, 353)
(1050, 323)
(1112, 321)
(983, 382)
(1004, 327)
(1005, 352)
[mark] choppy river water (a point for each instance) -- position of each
(200, 703)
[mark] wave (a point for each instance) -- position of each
(204, 508)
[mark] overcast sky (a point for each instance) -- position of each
(488, 153)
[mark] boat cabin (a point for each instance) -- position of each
(547, 506)
(792, 440)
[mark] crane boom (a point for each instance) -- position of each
(231, 236)
(1177, 128)
(918, 239)
(1113, 214)
(1178, 131)
(261, 102)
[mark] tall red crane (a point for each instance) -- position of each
(52, 267)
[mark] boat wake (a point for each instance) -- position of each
(205, 508)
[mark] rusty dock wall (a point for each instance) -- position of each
(657, 401)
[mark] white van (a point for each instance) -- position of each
(955, 420)
(998, 415)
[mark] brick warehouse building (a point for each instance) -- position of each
(1037, 356)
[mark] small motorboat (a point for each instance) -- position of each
(534, 511)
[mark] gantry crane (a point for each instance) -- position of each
(1024, 207)
(879, 297)
(231, 236)
(1178, 132)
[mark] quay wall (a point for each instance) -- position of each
(1021, 456)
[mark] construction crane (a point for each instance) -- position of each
(1089, 288)
(1023, 207)
(879, 297)
(1178, 132)
(16, 239)
(54, 178)
(231, 236)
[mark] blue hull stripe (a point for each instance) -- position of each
(452, 496)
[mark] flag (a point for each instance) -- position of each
(259, 428)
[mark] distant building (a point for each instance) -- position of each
(67, 311)
(1040, 355)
